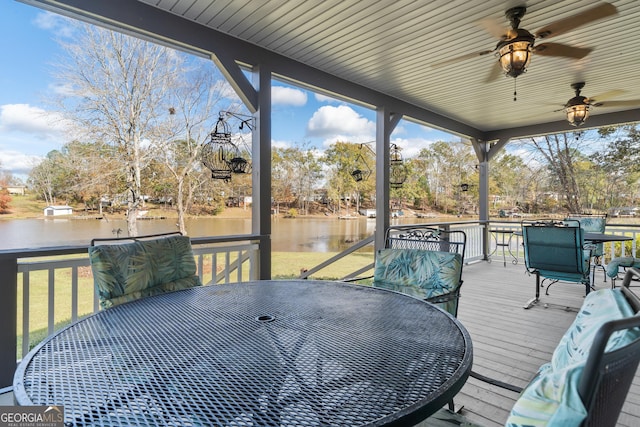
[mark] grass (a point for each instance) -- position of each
(291, 264)
(27, 206)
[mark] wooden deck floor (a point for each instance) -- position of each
(510, 343)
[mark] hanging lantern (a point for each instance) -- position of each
(362, 171)
(222, 156)
(397, 169)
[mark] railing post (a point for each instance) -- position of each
(8, 319)
(486, 240)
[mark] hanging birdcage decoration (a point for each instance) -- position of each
(362, 169)
(397, 169)
(221, 155)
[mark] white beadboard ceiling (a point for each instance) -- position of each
(389, 46)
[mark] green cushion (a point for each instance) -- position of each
(133, 270)
(626, 261)
(595, 224)
(419, 273)
(598, 307)
(551, 398)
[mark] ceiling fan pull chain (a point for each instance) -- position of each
(515, 92)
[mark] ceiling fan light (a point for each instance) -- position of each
(577, 114)
(515, 57)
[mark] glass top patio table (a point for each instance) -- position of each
(264, 353)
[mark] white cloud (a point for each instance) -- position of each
(281, 95)
(32, 120)
(410, 147)
(17, 163)
(31, 130)
(324, 98)
(331, 122)
(280, 144)
(64, 89)
(54, 23)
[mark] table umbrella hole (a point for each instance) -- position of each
(266, 318)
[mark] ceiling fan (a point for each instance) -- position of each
(517, 44)
(578, 107)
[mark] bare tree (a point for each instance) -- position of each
(560, 153)
(118, 86)
(193, 97)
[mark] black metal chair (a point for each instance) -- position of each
(608, 375)
(417, 239)
(555, 251)
(412, 242)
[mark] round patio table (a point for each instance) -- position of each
(263, 353)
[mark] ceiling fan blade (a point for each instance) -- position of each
(493, 27)
(562, 26)
(557, 49)
(460, 58)
(494, 73)
(606, 95)
(630, 103)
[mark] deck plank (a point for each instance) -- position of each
(510, 343)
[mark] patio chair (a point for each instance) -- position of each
(555, 251)
(593, 223)
(422, 247)
(624, 262)
(591, 371)
(423, 262)
(129, 268)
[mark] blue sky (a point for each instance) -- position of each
(28, 46)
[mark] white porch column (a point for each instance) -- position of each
(261, 174)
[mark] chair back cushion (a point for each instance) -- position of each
(129, 271)
(556, 252)
(419, 273)
(596, 224)
(552, 397)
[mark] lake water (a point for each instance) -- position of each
(288, 234)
